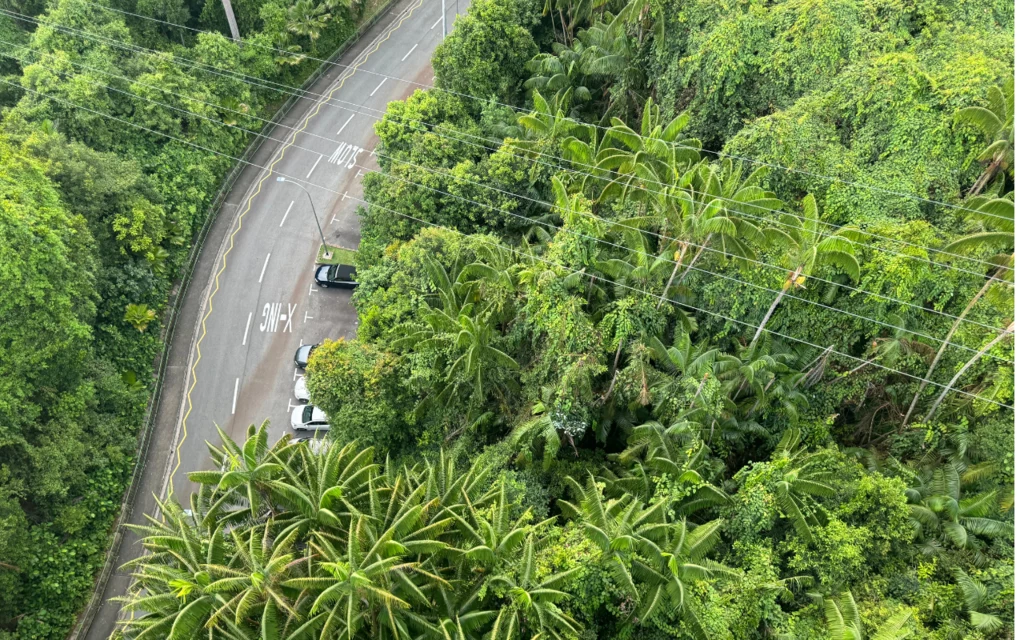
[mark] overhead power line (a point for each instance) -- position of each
(521, 109)
(532, 257)
(253, 81)
(550, 205)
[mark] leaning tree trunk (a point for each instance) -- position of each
(683, 246)
(700, 250)
(1005, 332)
(229, 13)
(993, 167)
(615, 374)
(945, 343)
(785, 287)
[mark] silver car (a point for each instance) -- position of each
(301, 391)
(309, 418)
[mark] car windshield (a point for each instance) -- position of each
(307, 413)
(324, 272)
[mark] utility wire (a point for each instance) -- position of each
(499, 210)
(551, 206)
(521, 109)
(287, 89)
(507, 248)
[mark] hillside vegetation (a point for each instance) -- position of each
(103, 193)
(677, 319)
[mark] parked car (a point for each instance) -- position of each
(301, 391)
(316, 445)
(302, 355)
(306, 417)
(335, 275)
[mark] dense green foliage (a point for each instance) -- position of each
(612, 378)
(97, 221)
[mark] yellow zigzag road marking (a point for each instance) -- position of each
(259, 186)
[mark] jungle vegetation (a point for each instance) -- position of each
(98, 217)
(678, 319)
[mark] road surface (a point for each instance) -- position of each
(252, 302)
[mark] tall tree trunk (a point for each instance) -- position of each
(700, 250)
(615, 374)
(785, 287)
(945, 343)
(683, 246)
(229, 13)
(1005, 332)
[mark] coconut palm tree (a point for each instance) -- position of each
(799, 483)
(714, 205)
(996, 122)
(996, 219)
(645, 159)
(942, 515)
(809, 244)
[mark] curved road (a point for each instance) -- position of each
(251, 302)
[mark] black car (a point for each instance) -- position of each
(335, 275)
(302, 355)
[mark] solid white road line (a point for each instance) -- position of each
(375, 90)
(265, 261)
(321, 157)
(287, 211)
(247, 323)
(435, 23)
(234, 400)
(346, 123)
(410, 51)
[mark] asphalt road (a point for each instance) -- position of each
(263, 303)
(252, 301)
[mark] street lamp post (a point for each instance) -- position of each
(327, 253)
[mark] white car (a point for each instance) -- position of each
(301, 391)
(306, 417)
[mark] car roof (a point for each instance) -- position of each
(344, 272)
(318, 415)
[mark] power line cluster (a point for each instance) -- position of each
(460, 137)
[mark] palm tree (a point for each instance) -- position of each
(645, 159)
(357, 586)
(942, 515)
(533, 601)
(457, 329)
(646, 554)
(305, 18)
(996, 121)
(996, 217)
(976, 596)
(799, 483)
(253, 578)
(669, 567)
(844, 621)
(247, 470)
(810, 244)
(320, 491)
(171, 593)
(1008, 331)
(713, 204)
